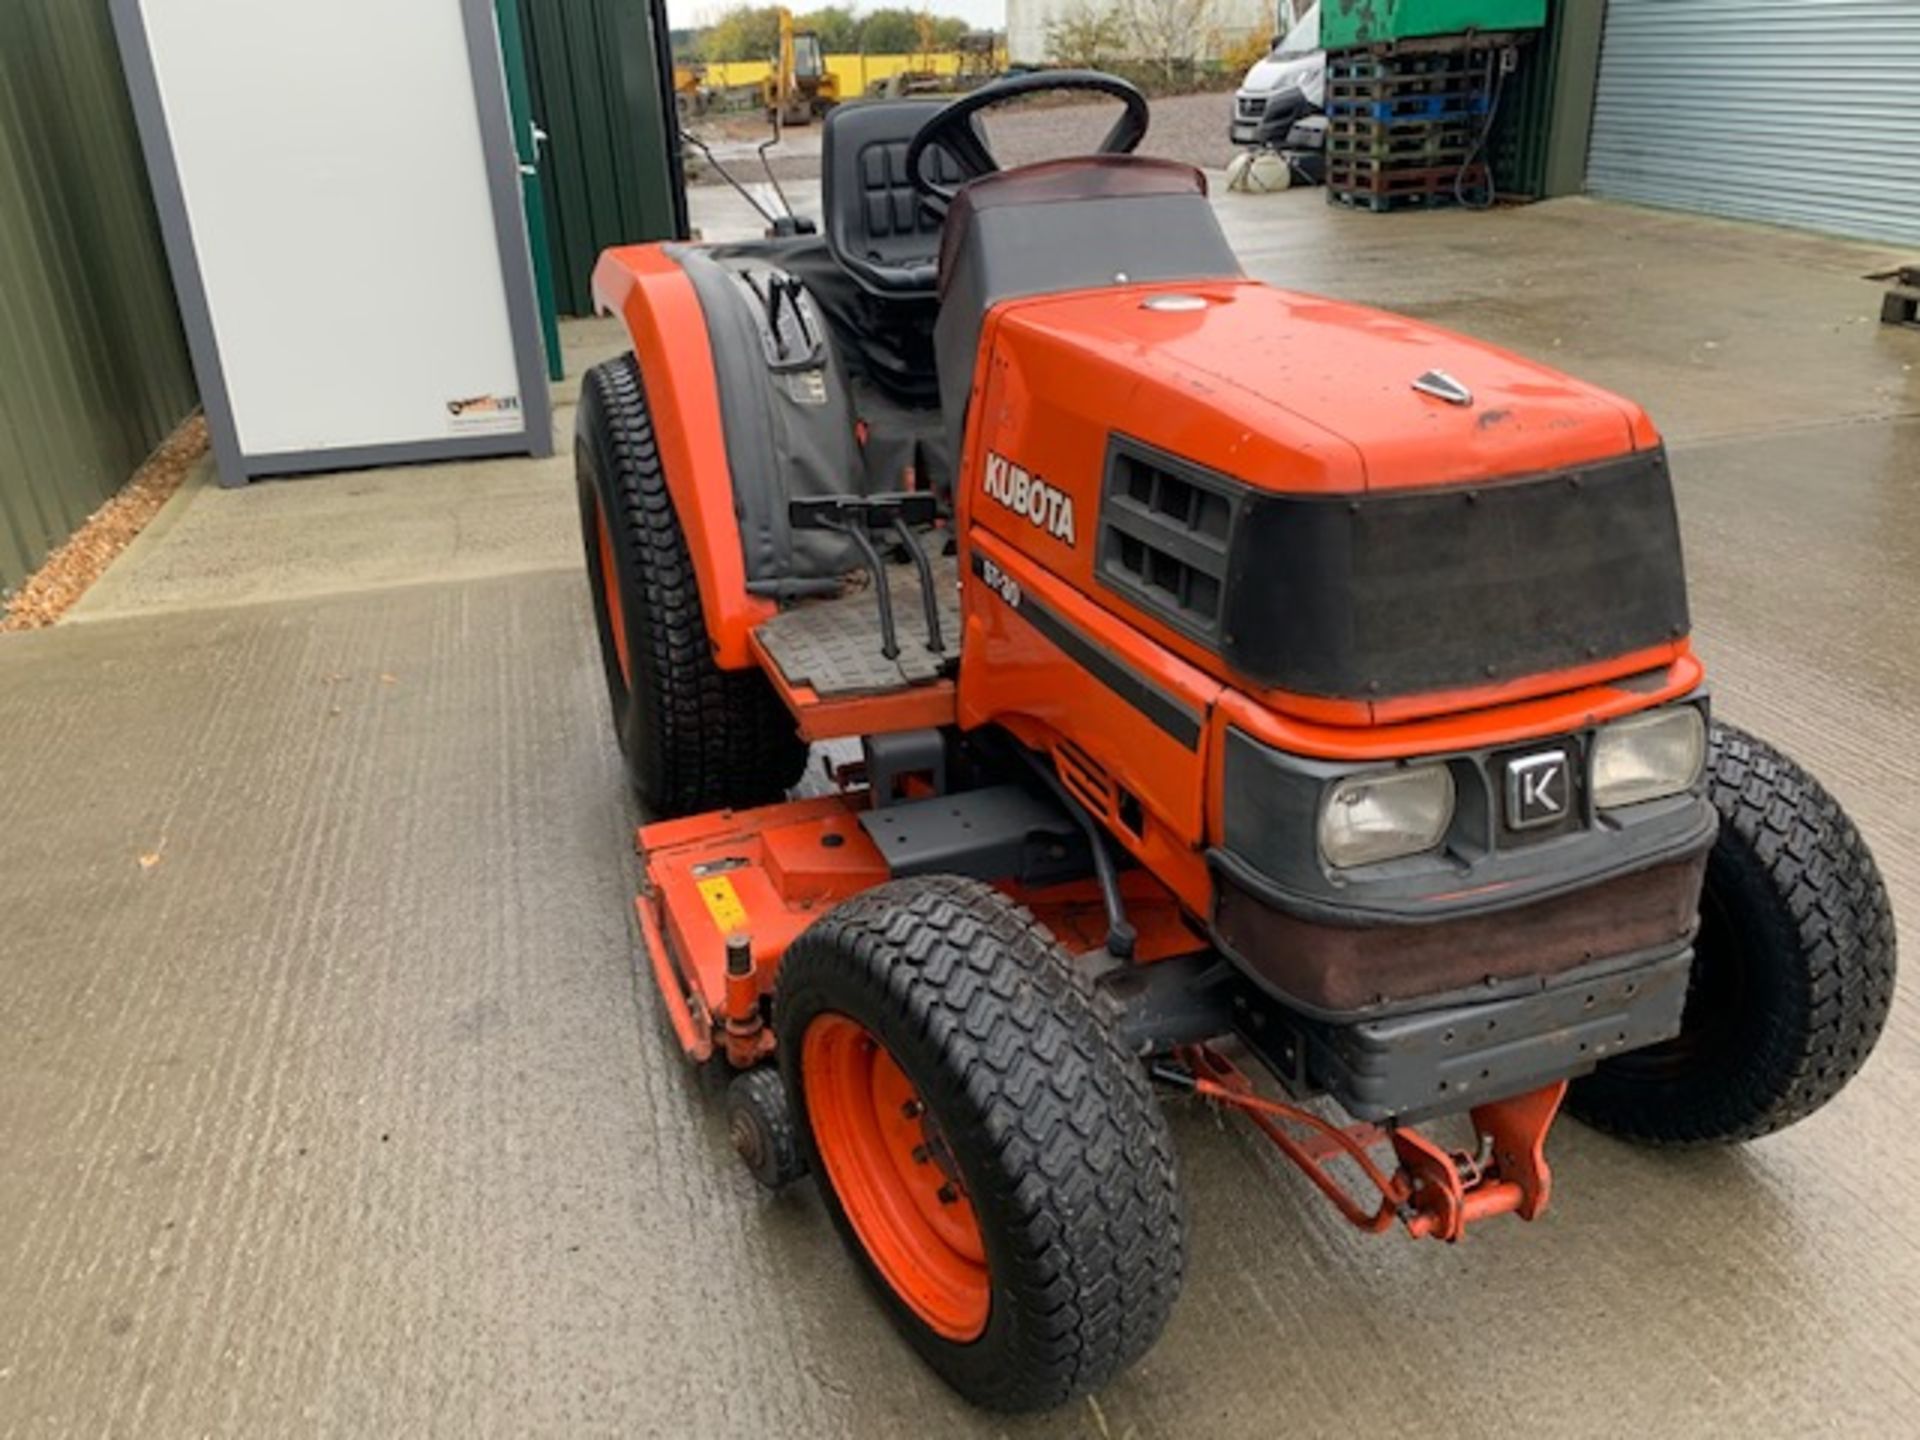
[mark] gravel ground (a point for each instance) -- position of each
(1192, 128)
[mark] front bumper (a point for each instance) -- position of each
(1401, 1020)
(1470, 1050)
(1265, 117)
(1345, 967)
(1504, 961)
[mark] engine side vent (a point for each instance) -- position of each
(1088, 781)
(1165, 528)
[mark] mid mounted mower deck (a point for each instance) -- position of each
(1238, 678)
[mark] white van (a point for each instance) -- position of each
(1289, 85)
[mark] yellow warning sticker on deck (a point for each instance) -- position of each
(723, 904)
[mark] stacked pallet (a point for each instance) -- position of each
(1401, 126)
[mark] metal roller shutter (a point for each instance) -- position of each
(1801, 112)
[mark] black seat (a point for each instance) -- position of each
(877, 227)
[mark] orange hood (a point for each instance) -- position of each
(1299, 393)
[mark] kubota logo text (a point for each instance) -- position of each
(1030, 497)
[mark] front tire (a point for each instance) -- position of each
(990, 1154)
(1793, 968)
(695, 737)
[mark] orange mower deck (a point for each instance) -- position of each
(769, 873)
(742, 885)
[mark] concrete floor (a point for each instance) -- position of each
(334, 1102)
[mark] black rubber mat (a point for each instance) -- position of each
(834, 645)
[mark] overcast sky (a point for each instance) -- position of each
(980, 14)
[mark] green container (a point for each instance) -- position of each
(1347, 23)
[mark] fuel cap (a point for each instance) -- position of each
(1175, 303)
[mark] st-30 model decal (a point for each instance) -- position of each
(1163, 708)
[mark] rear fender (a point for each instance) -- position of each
(649, 291)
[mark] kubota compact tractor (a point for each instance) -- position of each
(1234, 673)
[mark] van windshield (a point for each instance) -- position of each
(1304, 37)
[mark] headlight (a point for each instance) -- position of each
(1386, 814)
(1645, 757)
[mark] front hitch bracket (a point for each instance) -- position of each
(1434, 1192)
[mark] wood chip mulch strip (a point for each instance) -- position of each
(51, 590)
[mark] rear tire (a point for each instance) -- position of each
(1793, 969)
(695, 737)
(1052, 1256)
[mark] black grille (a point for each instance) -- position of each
(1399, 592)
(1164, 532)
(1414, 591)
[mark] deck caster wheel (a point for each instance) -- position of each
(990, 1153)
(760, 1124)
(1792, 974)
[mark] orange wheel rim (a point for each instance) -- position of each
(610, 587)
(889, 1166)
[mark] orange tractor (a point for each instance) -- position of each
(1205, 676)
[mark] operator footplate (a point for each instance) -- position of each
(835, 646)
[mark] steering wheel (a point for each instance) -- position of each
(952, 129)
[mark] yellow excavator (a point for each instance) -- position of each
(690, 93)
(799, 87)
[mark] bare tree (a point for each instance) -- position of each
(1085, 35)
(1169, 33)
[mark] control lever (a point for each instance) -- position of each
(856, 517)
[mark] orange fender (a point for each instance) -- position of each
(645, 287)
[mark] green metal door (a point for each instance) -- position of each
(600, 76)
(1539, 145)
(528, 138)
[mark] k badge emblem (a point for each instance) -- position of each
(1539, 789)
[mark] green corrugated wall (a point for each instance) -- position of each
(93, 368)
(599, 73)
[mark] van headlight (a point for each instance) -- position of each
(1385, 814)
(1647, 757)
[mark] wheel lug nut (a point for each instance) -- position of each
(913, 1109)
(921, 1155)
(947, 1194)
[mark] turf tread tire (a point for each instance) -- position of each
(1808, 889)
(1065, 1153)
(695, 737)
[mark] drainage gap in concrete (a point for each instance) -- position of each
(51, 590)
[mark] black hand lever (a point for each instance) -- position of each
(929, 591)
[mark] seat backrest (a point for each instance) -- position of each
(877, 227)
(1065, 225)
